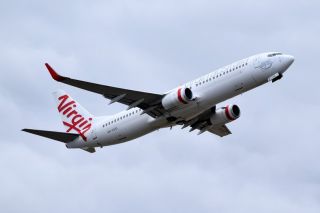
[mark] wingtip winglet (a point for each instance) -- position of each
(53, 73)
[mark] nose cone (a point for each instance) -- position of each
(286, 61)
(289, 59)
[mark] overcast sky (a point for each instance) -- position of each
(269, 164)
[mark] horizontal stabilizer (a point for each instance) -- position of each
(58, 136)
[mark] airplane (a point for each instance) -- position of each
(192, 105)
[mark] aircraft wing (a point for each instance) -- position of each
(220, 130)
(201, 123)
(149, 102)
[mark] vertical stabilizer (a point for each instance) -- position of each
(74, 117)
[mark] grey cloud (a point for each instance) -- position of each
(269, 164)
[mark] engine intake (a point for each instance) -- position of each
(225, 115)
(178, 97)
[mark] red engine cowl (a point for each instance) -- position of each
(225, 115)
(176, 98)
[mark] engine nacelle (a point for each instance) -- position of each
(225, 115)
(178, 97)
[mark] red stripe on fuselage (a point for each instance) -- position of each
(180, 97)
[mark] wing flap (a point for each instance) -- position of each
(220, 130)
(58, 136)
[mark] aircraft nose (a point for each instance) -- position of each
(289, 59)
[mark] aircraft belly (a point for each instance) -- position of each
(129, 130)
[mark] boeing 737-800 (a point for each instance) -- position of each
(190, 105)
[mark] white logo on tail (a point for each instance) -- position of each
(76, 122)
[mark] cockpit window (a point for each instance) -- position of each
(274, 54)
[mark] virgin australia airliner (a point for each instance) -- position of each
(191, 105)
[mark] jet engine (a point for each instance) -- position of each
(225, 115)
(177, 97)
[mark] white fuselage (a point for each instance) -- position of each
(208, 91)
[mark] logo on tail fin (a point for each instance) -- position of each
(76, 121)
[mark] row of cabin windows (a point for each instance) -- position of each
(121, 117)
(222, 73)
